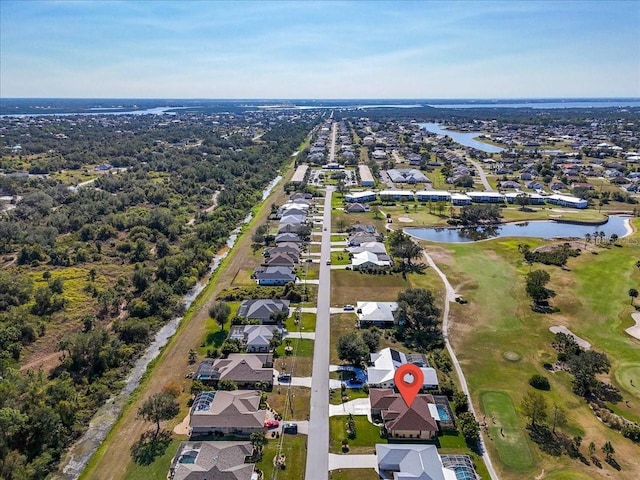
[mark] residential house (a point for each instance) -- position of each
(402, 421)
(509, 184)
(281, 259)
(410, 176)
(290, 227)
(223, 460)
(376, 314)
(419, 462)
(235, 412)
(534, 185)
(362, 227)
(288, 237)
(283, 247)
(264, 310)
(373, 247)
(358, 238)
(245, 369)
(357, 208)
(274, 275)
(384, 363)
(366, 178)
(255, 338)
(364, 260)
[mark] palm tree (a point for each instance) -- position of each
(587, 239)
(608, 450)
(601, 235)
(592, 449)
(633, 293)
(614, 238)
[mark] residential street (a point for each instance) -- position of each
(483, 176)
(318, 440)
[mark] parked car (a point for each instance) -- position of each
(328, 262)
(291, 428)
(284, 377)
(348, 307)
(271, 424)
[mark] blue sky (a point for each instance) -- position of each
(361, 49)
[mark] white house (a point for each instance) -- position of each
(360, 197)
(385, 362)
(405, 462)
(566, 201)
(379, 314)
(368, 260)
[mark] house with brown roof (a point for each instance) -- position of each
(245, 369)
(213, 460)
(235, 412)
(401, 421)
(282, 259)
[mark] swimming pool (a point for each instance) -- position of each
(443, 413)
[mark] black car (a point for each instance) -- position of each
(291, 428)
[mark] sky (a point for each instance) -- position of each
(331, 49)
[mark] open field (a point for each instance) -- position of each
(592, 301)
(158, 468)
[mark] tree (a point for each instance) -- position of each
(633, 293)
(539, 382)
(352, 348)
(418, 319)
(534, 406)
(460, 402)
(522, 199)
(536, 288)
(227, 385)
(559, 419)
(220, 312)
(159, 407)
(469, 427)
(258, 441)
(371, 338)
(592, 449)
(587, 239)
(608, 451)
(614, 238)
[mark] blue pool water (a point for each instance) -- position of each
(443, 413)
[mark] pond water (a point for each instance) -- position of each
(537, 229)
(463, 138)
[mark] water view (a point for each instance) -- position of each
(536, 229)
(463, 138)
(555, 104)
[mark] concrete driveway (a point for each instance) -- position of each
(294, 382)
(338, 462)
(307, 335)
(359, 406)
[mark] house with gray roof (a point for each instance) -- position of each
(288, 237)
(274, 275)
(235, 412)
(245, 369)
(263, 309)
(412, 462)
(255, 338)
(379, 314)
(213, 460)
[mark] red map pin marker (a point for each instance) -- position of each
(408, 387)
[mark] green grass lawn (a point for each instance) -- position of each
(300, 363)
(367, 435)
(307, 322)
(158, 469)
(339, 238)
(294, 448)
(511, 445)
(354, 473)
(335, 395)
(340, 258)
(296, 408)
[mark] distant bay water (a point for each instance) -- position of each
(467, 139)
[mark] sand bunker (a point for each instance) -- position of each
(635, 330)
(580, 341)
(405, 220)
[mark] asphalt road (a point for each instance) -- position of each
(483, 176)
(318, 440)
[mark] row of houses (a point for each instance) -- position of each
(366, 248)
(461, 199)
(280, 261)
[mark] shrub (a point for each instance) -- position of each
(539, 382)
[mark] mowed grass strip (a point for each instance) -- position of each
(300, 363)
(349, 287)
(297, 408)
(353, 473)
(505, 431)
